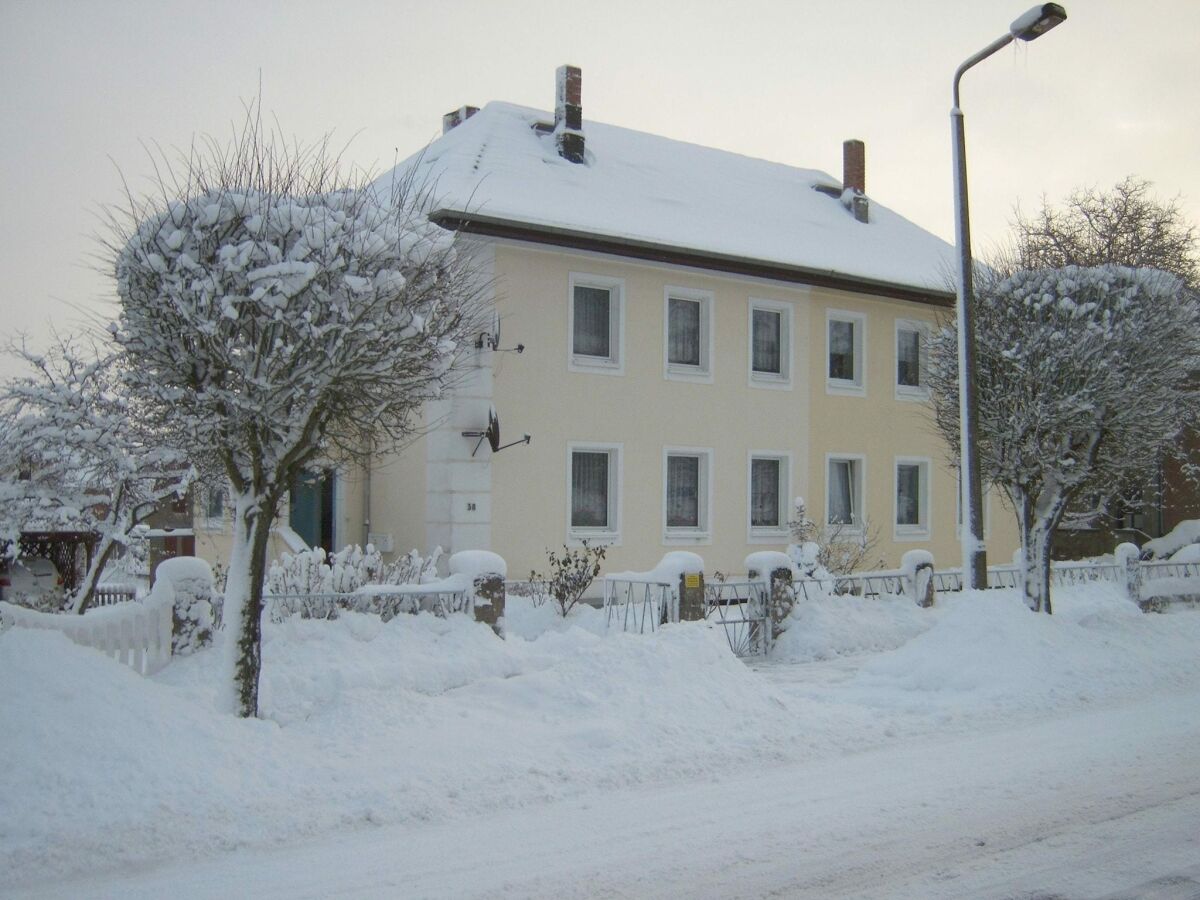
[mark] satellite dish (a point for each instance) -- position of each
(492, 434)
(493, 428)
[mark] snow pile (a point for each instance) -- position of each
(824, 625)
(367, 722)
(424, 719)
(987, 652)
(1185, 533)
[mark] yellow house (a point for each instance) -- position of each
(704, 337)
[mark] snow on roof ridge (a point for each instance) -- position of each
(639, 188)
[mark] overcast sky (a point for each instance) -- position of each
(1113, 91)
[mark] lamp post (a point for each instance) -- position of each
(1033, 24)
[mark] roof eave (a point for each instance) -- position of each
(472, 223)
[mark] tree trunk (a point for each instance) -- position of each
(87, 589)
(1038, 522)
(243, 602)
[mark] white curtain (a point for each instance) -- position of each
(767, 341)
(592, 328)
(589, 490)
(764, 492)
(683, 332)
(683, 491)
(841, 492)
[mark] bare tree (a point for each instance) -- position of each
(1084, 374)
(78, 455)
(1127, 226)
(275, 313)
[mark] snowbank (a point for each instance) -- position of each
(422, 719)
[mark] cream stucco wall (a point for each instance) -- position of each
(643, 412)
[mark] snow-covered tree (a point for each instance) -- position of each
(1084, 374)
(78, 456)
(278, 313)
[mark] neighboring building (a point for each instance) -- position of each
(706, 336)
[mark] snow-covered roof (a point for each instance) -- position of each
(642, 189)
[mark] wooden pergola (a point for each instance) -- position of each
(62, 548)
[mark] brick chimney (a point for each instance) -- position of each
(456, 117)
(854, 166)
(568, 113)
(854, 178)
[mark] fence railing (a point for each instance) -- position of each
(137, 635)
(111, 594)
(639, 606)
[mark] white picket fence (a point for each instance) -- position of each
(135, 634)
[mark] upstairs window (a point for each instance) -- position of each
(845, 341)
(770, 344)
(911, 360)
(688, 334)
(596, 323)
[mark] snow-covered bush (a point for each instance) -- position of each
(196, 603)
(314, 572)
(820, 551)
(571, 574)
(1182, 535)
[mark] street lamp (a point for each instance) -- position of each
(1032, 24)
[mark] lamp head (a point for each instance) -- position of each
(1037, 21)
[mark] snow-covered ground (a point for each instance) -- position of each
(974, 749)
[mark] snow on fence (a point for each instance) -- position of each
(137, 635)
(112, 594)
(450, 595)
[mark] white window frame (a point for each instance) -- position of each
(614, 363)
(702, 373)
(920, 531)
(781, 381)
(610, 536)
(987, 507)
(209, 522)
(769, 534)
(909, 392)
(860, 477)
(847, 387)
(684, 535)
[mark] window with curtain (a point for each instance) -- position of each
(768, 341)
(908, 494)
(841, 350)
(908, 357)
(683, 492)
(215, 506)
(764, 493)
(589, 489)
(684, 332)
(592, 329)
(843, 492)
